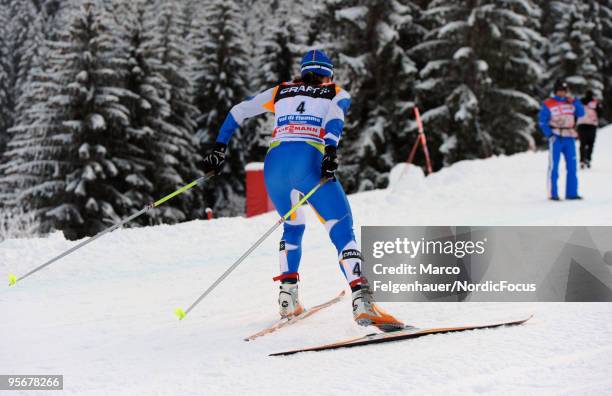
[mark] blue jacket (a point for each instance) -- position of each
(544, 116)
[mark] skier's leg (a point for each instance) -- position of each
(333, 209)
(284, 197)
(290, 254)
(569, 153)
(290, 249)
(591, 140)
(584, 144)
(276, 175)
(554, 155)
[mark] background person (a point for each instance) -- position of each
(587, 128)
(557, 121)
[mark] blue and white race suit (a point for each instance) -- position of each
(307, 118)
(557, 120)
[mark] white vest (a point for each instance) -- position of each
(300, 111)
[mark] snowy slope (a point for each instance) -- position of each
(103, 316)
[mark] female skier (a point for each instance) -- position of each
(309, 114)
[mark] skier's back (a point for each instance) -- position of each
(309, 118)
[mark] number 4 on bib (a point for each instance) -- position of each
(301, 108)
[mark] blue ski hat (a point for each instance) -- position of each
(317, 62)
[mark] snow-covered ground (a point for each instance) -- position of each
(103, 316)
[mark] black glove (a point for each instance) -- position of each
(213, 161)
(329, 165)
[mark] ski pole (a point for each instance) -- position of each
(179, 311)
(14, 279)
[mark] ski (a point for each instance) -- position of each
(405, 334)
(286, 321)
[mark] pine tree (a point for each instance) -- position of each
(276, 58)
(552, 12)
(220, 74)
(136, 157)
(190, 8)
(31, 51)
(379, 75)
(516, 72)
(479, 98)
(30, 24)
(21, 170)
(572, 53)
(145, 107)
(167, 56)
(604, 44)
(451, 83)
(78, 130)
(23, 40)
(29, 88)
(23, 29)
(17, 21)
(278, 50)
(5, 77)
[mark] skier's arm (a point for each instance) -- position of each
(334, 120)
(251, 107)
(333, 123)
(544, 121)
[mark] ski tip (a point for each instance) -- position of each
(180, 314)
(12, 280)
